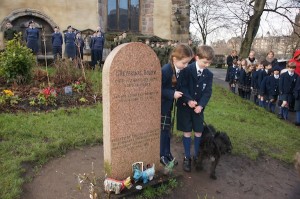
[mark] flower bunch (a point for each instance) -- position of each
(8, 97)
(8, 93)
(79, 86)
(47, 96)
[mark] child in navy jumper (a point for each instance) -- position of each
(272, 87)
(172, 75)
(233, 75)
(197, 87)
(286, 86)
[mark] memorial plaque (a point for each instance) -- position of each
(131, 108)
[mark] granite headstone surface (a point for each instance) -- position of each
(131, 94)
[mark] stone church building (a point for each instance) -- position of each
(166, 19)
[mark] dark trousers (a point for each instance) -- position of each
(57, 50)
(97, 57)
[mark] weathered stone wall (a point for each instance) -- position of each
(80, 14)
(146, 16)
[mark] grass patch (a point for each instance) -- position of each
(37, 137)
(253, 131)
(160, 191)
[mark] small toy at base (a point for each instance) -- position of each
(145, 176)
(168, 169)
(112, 185)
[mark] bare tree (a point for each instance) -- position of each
(250, 12)
(206, 17)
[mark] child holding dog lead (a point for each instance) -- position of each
(197, 90)
(172, 75)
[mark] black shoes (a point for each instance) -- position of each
(187, 164)
(164, 160)
(171, 158)
(197, 164)
(280, 116)
(297, 123)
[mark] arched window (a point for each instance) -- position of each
(123, 15)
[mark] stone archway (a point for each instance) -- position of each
(20, 18)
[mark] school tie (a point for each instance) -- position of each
(177, 74)
(199, 74)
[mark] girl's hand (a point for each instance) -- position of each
(198, 109)
(192, 103)
(284, 104)
(178, 94)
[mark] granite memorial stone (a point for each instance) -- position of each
(131, 108)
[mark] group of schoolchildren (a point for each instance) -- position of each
(268, 83)
(189, 88)
(74, 43)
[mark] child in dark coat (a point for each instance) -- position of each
(286, 86)
(172, 75)
(272, 88)
(233, 75)
(197, 88)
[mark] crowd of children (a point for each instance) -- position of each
(268, 83)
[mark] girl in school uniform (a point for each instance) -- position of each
(254, 83)
(246, 76)
(272, 87)
(242, 67)
(172, 76)
(69, 39)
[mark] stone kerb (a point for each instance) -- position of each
(131, 108)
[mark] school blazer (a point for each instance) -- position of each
(167, 90)
(194, 88)
(272, 85)
(287, 84)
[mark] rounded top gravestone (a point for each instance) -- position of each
(131, 82)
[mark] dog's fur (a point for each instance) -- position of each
(213, 145)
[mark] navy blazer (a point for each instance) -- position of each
(272, 85)
(261, 75)
(57, 39)
(167, 89)
(287, 84)
(198, 89)
(254, 79)
(233, 73)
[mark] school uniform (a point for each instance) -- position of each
(255, 86)
(286, 86)
(229, 62)
(168, 88)
(70, 47)
(32, 37)
(98, 45)
(240, 86)
(57, 41)
(233, 76)
(261, 75)
(297, 101)
(79, 47)
(196, 86)
(246, 83)
(272, 88)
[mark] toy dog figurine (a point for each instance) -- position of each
(145, 176)
(112, 185)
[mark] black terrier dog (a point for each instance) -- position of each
(213, 145)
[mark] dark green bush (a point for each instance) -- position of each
(16, 62)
